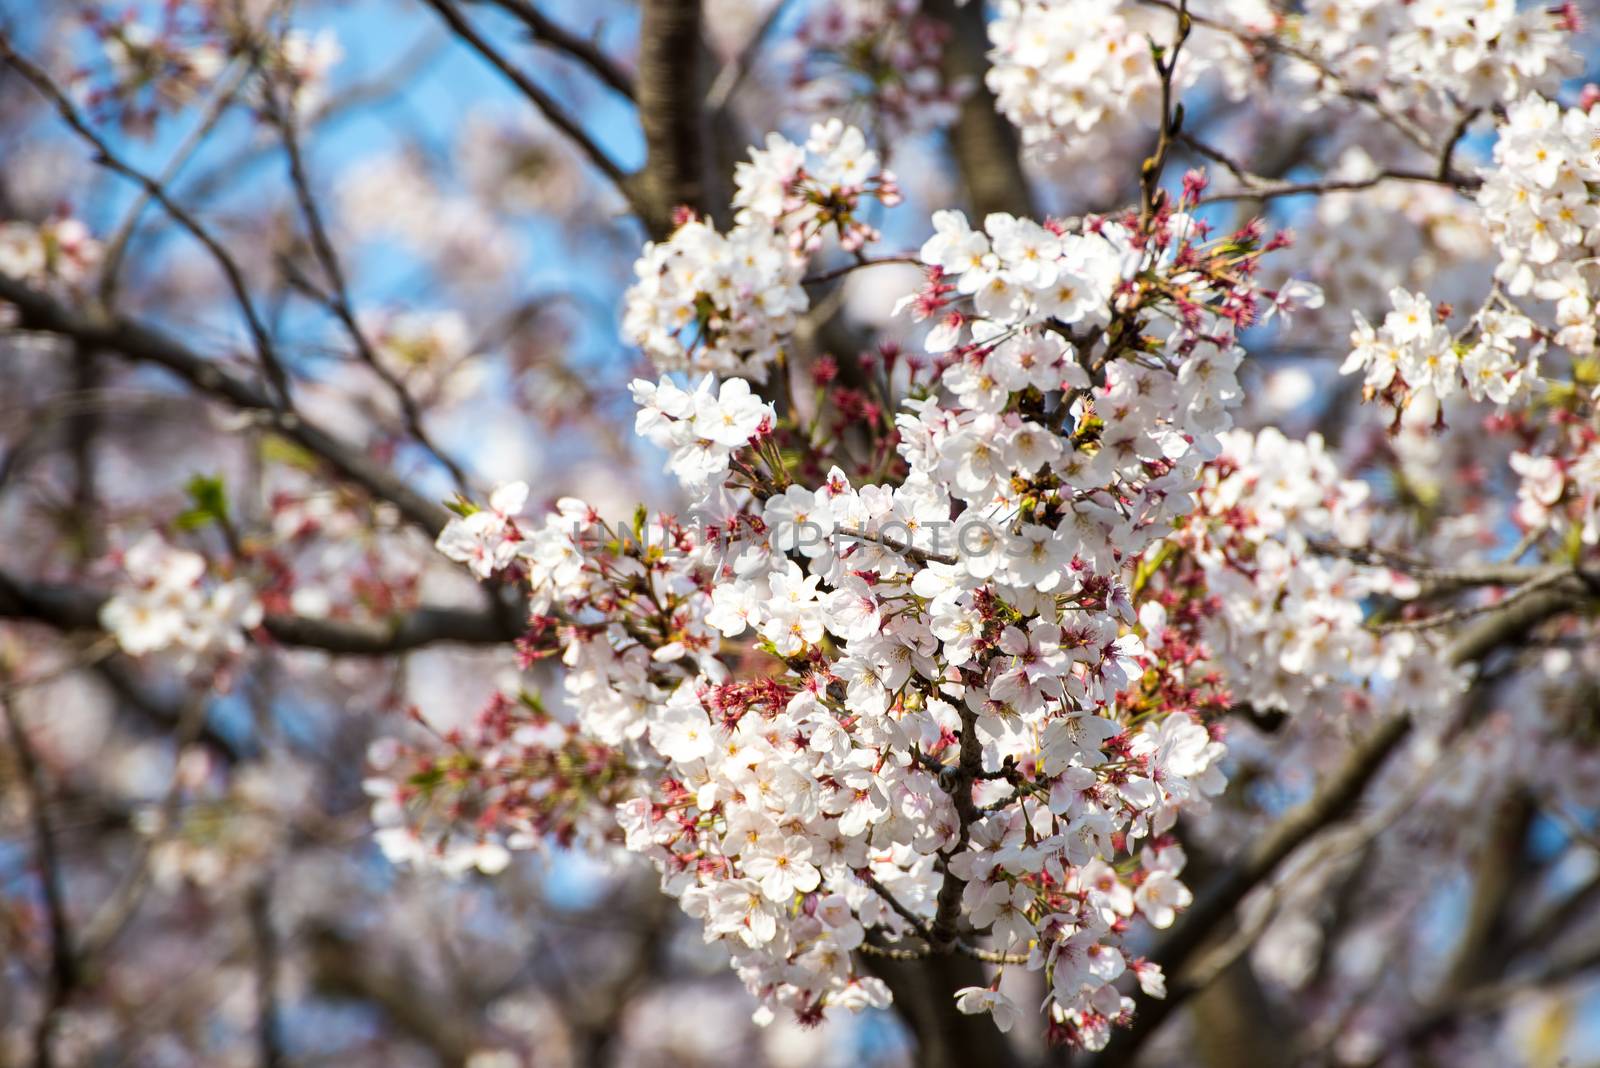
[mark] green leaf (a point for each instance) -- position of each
(208, 502)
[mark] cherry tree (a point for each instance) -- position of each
(1113, 584)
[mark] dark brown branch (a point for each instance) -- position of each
(546, 31)
(957, 782)
(413, 630)
(135, 341)
(63, 961)
(924, 997)
(69, 608)
(1261, 187)
(985, 144)
(265, 350)
(1336, 798)
(1171, 118)
(916, 922)
(1446, 172)
(265, 939)
(670, 94)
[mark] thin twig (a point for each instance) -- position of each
(546, 31)
(1456, 615)
(117, 245)
(64, 971)
(112, 916)
(542, 100)
(271, 365)
(840, 272)
(282, 112)
(1259, 187)
(1166, 61)
(917, 923)
(1276, 43)
(910, 552)
(134, 340)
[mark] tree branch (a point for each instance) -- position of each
(341, 966)
(924, 997)
(64, 970)
(70, 608)
(282, 112)
(1260, 187)
(265, 350)
(546, 31)
(135, 341)
(258, 904)
(542, 100)
(671, 66)
(1338, 795)
(987, 150)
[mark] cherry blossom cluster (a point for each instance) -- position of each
(57, 252)
(1061, 69)
(1273, 539)
(1018, 274)
(1558, 473)
(517, 771)
(723, 303)
(884, 54)
(1436, 56)
(487, 539)
(153, 66)
(1539, 202)
(1412, 355)
(167, 600)
(880, 711)
(823, 785)
(325, 555)
(702, 429)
